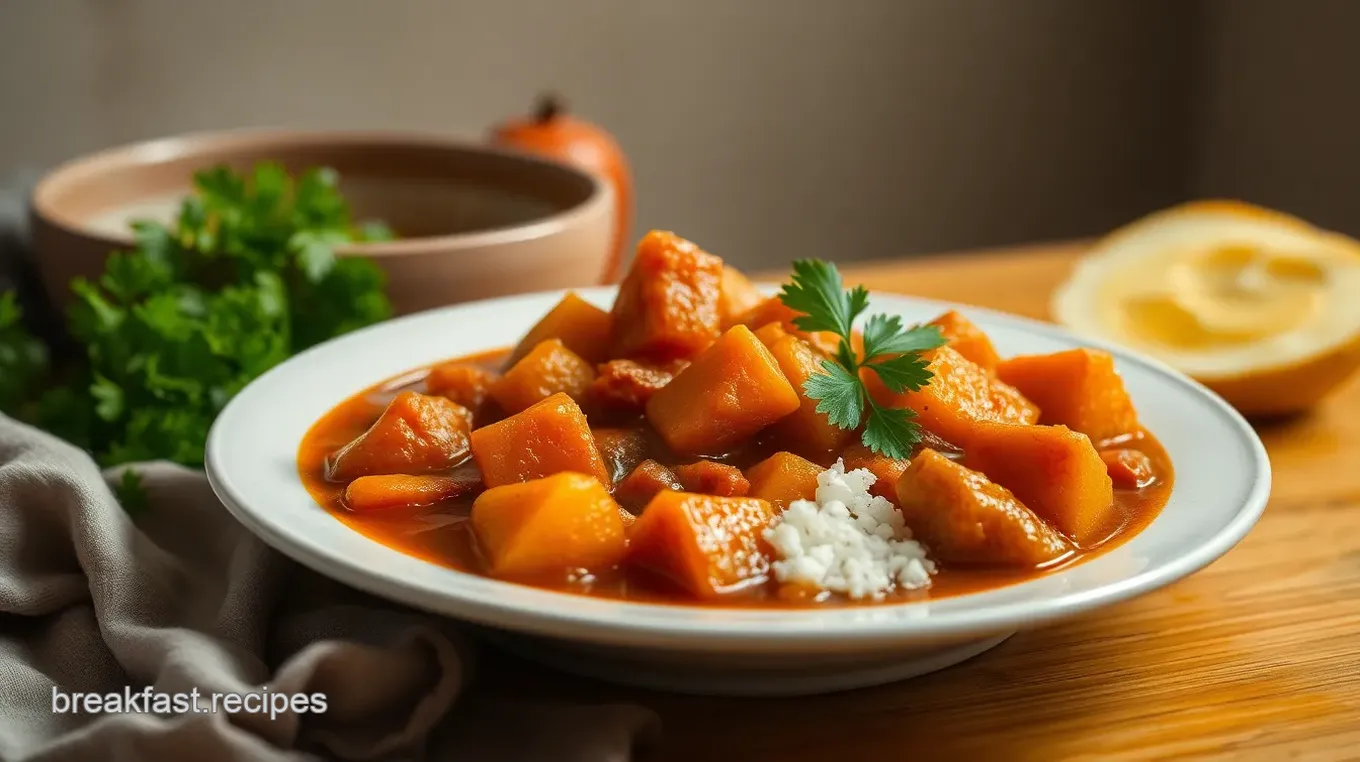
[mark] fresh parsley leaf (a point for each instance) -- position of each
(839, 395)
(902, 372)
(890, 352)
(243, 278)
(891, 431)
(883, 335)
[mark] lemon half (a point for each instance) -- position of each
(1262, 307)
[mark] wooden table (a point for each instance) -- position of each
(1256, 657)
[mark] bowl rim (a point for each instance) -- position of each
(555, 614)
(44, 207)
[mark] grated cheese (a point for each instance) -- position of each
(847, 540)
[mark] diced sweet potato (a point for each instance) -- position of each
(805, 431)
(549, 526)
(738, 295)
(466, 384)
(1079, 388)
(887, 470)
(770, 333)
(1055, 471)
(960, 397)
(783, 478)
(416, 434)
(962, 517)
(711, 478)
(668, 305)
(706, 545)
(581, 326)
(628, 384)
(1128, 469)
(549, 368)
(732, 390)
(389, 492)
(967, 339)
(545, 439)
(773, 310)
(642, 483)
(621, 449)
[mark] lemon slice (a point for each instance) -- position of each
(1260, 306)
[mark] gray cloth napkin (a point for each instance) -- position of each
(182, 597)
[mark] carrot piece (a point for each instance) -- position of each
(773, 310)
(770, 333)
(738, 295)
(627, 384)
(885, 470)
(963, 517)
(581, 326)
(547, 438)
(1079, 388)
(1129, 469)
(805, 431)
(711, 478)
(554, 525)
(643, 482)
(387, 492)
(967, 339)
(706, 545)
(416, 434)
(549, 368)
(466, 384)
(668, 304)
(729, 392)
(1055, 471)
(783, 478)
(621, 449)
(960, 397)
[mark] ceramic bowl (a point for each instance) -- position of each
(473, 221)
(1221, 486)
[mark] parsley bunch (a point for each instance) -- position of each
(244, 278)
(891, 352)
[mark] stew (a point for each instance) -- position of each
(668, 450)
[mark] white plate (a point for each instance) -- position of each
(1221, 486)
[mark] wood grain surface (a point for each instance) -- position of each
(1256, 657)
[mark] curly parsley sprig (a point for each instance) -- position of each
(890, 351)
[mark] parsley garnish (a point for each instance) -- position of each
(245, 277)
(890, 350)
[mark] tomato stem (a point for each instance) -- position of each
(549, 107)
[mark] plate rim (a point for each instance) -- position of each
(777, 630)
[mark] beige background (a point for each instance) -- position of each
(765, 129)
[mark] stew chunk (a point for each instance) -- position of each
(959, 398)
(1128, 469)
(642, 483)
(1078, 388)
(628, 384)
(707, 545)
(548, 369)
(581, 326)
(1053, 470)
(731, 391)
(551, 525)
(738, 295)
(712, 479)
(805, 431)
(387, 492)
(547, 438)
(783, 478)
(416, 434)
(668, 305)
(967, 339)
(621, 449)
(965, 518)
(463, 383)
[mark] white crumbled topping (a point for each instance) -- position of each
(847, 540)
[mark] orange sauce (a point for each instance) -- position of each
(441, 534)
